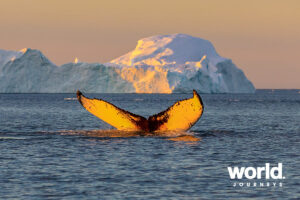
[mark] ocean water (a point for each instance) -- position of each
(44, 153)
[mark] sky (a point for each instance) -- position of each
(262, 37)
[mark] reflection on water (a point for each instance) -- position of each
(169, 135)
(185, 138)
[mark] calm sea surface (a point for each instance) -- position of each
(42, 156)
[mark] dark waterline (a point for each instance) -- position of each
(38, 160)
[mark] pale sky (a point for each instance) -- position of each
(262, 37)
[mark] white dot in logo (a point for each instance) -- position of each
(283, 177)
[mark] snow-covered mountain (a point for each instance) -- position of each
(158, 64)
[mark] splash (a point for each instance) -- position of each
(168, 135)
(185, 138)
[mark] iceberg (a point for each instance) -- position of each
(32, 72)
(180, 63)
(6, 56)
(159, 64)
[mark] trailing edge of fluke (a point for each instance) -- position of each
(181, 116)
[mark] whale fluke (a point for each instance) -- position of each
(111, 114)
(181, 116)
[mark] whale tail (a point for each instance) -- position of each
(111, 114)
(181, 116)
